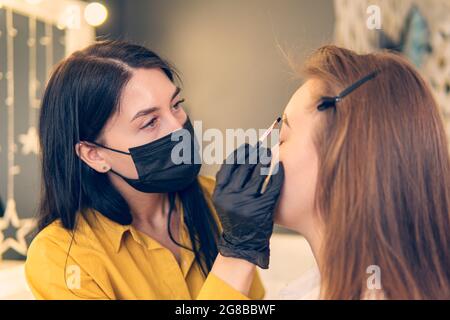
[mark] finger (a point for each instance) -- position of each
(254, 172)
(264, 155)
(256, 154)
(263, 175)
(245, 167)
(256, 179)
(230, 165)
(222, 176)
(276, 181)
(240, 176)
(264, 160)
(259, 152)
(242, 153)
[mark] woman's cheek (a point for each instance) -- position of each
(285, 212)
(297, 195)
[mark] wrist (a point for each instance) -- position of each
(237, 273)
(257, 256)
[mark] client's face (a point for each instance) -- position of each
(298, 154)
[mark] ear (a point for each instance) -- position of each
(90, 155)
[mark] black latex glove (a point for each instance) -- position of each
(246, 214)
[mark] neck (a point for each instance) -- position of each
(148, 209)
(313, 233)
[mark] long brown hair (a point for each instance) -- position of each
(383, 189)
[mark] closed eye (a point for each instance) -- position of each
(178, 105)
(151, 124)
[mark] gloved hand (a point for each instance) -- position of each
(246, 214)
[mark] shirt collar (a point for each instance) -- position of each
(115, 231)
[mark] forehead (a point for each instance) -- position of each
(149, 87)
(305, 98)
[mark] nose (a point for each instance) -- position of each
(171, 123)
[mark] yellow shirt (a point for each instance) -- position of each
(111, 261)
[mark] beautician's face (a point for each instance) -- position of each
(150, 108)
(299, 157)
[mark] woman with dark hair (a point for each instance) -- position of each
(118, 218)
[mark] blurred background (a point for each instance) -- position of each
(235, 59)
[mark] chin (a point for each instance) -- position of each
(280, 219)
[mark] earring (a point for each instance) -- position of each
(105, 168)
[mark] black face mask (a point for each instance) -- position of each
(157, 171)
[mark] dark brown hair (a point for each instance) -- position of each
(82, 94)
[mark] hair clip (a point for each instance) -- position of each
(328, 102)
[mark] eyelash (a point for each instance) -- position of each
(148, 124)
(284, 121)
(175, 106)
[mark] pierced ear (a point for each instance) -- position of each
(77, 148)
(90, 155)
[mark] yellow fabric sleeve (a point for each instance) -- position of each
(215, 288)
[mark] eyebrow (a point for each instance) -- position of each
(153, 109)
(284, 119)
(176, 92)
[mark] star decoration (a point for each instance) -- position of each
(30, 141)
(23, 228)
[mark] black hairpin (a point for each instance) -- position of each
(328, 102)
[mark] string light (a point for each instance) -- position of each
(11, 218)
(70, 18)
(95, 14)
